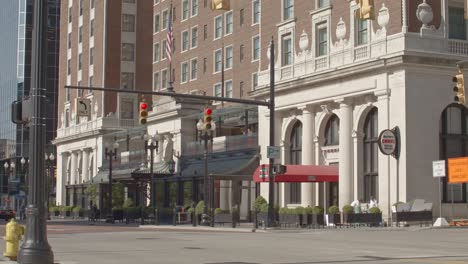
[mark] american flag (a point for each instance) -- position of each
(170, 39)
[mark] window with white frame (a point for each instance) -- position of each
(70, 14)
(241, 53)
(128, 52)
(163, 50)
(288, 9)
(157, 22)
(241, 17)
(69, 40)
(155, 81)
(194, 37)
(229, 57)
(185, 9)
(194, 7)
(81, 7)
(286, 53)
(194, 69)
(127, 80)
(68, 68)
(93, 4)
(128, 23)
(91, 28)
(218, 90)
(164, 78)
(229, 23)
(457, 23)
(91, 56)
(228, 86)
(256, 12)
(254, 81)
(185, 40)
(80, 61)
(323, 3)
(156, 52)
(184, 72)
(165, 17)
(362, 32)
(80, 34)
(218, 60)
(322, 39)
(129, 1)
(255, 48)
(218, 24)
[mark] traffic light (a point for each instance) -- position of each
(366, 9)
(220, 5)
(143, 112)
(207, 118)
(459, 88)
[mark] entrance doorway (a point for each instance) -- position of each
(333, 190)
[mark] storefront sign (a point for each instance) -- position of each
(458, 170)
(387, 142)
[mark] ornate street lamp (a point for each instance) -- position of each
(151, 144)
(109, 155)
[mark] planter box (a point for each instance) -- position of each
(165, 217)
(334, 219)
(421, 216)
(369, 219)
(290, 219)
(315, 220)
(223, 218)
(65, 214)
(118, 215)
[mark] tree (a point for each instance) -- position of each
(118, 195)
(92, 192)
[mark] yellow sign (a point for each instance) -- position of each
(458, 170)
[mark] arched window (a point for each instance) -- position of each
(454, 143)
(371, 157)
(331, 131)
(295, 157)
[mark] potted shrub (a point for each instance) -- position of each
(55, 210)
(317, 216)
(261, 209)
(334, 215)
(301, 213)
(65, 211)
(288, 217)
(78, 212)
(347, 210)
(222, 216)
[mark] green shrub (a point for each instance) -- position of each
(309, 210)
(348, 209)
(221, 211)
(65, 209)
(284, 210)
(128, 203)
(333, 209)
(318, 210)
(78, 209)
(199, 207)
(54, 209)
(260, 204)
(374, 210)
(299, 210)
(191, 210)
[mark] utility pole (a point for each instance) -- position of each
(36, 249)
(271, 181)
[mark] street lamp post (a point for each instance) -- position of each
(9, 168)
(109, 155)
(151, 144)
(50, 166)
(207, 136)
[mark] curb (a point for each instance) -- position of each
(203, 229)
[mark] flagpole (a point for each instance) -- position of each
(171, 81)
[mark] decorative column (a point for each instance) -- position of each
(345, 182)
(358, 165)
(319, 186)
(73, 169)
(404, 14)
(62, 159)
(308, 131)
(224, 196)
(85, 166)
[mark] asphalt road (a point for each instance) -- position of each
(104, 244)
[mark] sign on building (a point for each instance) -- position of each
(458, 170)
(83, 107)
(273, 152)
(387, 142)
(438, 168)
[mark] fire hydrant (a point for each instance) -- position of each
(13, 235)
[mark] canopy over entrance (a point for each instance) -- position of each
(300, 173)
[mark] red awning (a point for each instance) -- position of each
(301, 173)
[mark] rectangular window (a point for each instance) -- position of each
(229, 23)
(91, 82)
(70, 14)
(81, 7)
(129, 1)
(67, 112)
(128, 23)
(241, 53)
(185, 9)
(156, 52)
(288, 9)
(93, 4)
(91, 56)
(362, 32)
(194, 7)
(323, 3)
(218, 61)
(128, 52)
(204, 65)
(163, 50)
(205, 31)
(218, 26)
(254, 81)
(184, 72)
(256, 48)
(457, 23)
(91, 28)
(322, 40)
(69, 40)
(194, 69)
(69, 68)
(156, 22)
(241, 89)
(256, 12)
(126, 109)
(228, 86)
(80, 61)
(218, 90)
(127, 80)
(241, 17)
(165, 17)
(287, 50)
(156, 81)
(194, 37)
(185, 40)
(164, 79)
(80, 34)
(229, 55)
